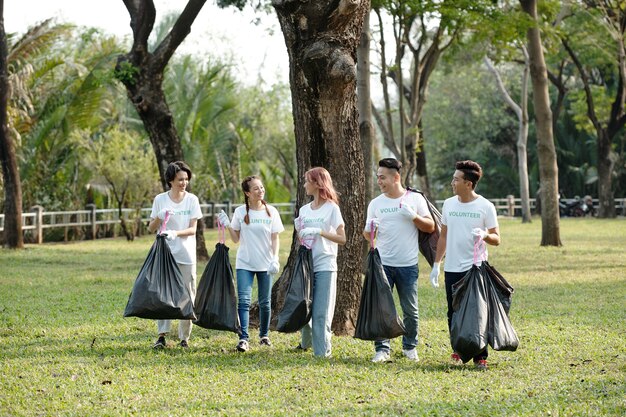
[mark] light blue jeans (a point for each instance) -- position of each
(317, 332)
(245, 280)
(404, 278)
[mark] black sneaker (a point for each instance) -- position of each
(184, 344)
(160, 343)
(265, 341)
(299, 348)
(242, 346)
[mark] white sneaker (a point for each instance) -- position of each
(411, 354)
(381, 356)
(242, 346)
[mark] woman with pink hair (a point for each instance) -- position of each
(321, 226)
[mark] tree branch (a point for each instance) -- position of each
(142, 15)
(177, 34)
(591, 112)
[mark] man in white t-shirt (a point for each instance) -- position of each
(396, 215)
(466, 218)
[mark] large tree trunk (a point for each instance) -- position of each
(141, 72)
(321, 39)
(548, 169)
(12, 188)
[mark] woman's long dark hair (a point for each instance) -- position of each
(245, 186)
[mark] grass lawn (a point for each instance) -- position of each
(65, 348)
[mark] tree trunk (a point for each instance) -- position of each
(321, 39)
(13, 236)
(521, 111)
(420, 163)
(606, 199)
(141, 72)
(548, 169)
(366, 124)
(616, 20)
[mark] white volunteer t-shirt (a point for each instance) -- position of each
(397, 237)
(328, 218)
(460, 219)
(183, 248)
(255, 239)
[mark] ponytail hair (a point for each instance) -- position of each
(245, 187)
(321, 177)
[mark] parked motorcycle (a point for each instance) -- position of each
(577, 207)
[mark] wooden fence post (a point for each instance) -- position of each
(510, 199)
(93, 230)
(38, 223)
(211, 212)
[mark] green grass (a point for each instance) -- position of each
(66, 350)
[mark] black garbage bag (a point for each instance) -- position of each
(216, 299)
(377, 318)
(503, 289)
(501, 335)
(159, 292)
(428, 241)
(296, 311)
(470, 320)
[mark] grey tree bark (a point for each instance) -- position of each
(521, 111)
(322, 39)
(548, 169)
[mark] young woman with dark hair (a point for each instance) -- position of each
(255, 226)
(184, 210)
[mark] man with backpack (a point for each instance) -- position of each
(396, 215)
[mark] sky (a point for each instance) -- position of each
(254, 49)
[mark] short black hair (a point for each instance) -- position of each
(174, 168)
(471, 171)
(391, 163)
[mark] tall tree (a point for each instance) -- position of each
(12, 188)
(422, 32)
(612, 16)
(141, 72)
(521, 111)
(322, 38)
(549, 180)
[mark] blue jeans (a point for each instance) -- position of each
(245, 279)
(318, 331)
(404, 278)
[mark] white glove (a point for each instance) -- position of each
(223, 218)
(408, 212)
(170, 234)
(273, 267)
(297, 223)
(161, 214)
(309, 231)
(434, 275)
(374, 222)
(480, 233)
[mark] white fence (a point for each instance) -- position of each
(91, 219)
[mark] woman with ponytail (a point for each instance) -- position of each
(255, 226)
(320, 226)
